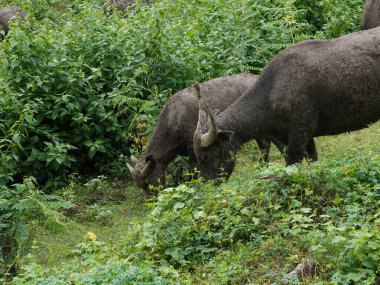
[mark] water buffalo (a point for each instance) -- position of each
(313, 88)
(177, 122)
(8, 14)
(371, 15)
(122, 5)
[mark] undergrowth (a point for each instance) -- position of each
(252, 229)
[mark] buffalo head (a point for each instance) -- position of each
(212, 147)
(146, 172)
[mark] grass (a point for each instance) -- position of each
(366, 140)
(122, 217)
(329, 147)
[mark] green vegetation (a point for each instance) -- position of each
(252, 229)
(93, 86)
(80, 92)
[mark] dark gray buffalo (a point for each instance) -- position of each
(8, 14)
(314, 88)
(122, 5)
(177, 122)
(371, 15)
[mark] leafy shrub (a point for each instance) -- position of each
(94, 83)
(90, 256)
(331, 18)
(20, 206)
(359, 259)
(341, 18)
(94, 213)
(96, 191)
(189, 226)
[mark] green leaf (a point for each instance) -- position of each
(176, 253)
(255, 221)
(24, 204)
(199, 215)
(179, 205)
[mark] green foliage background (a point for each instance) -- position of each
(90, 83)
(80, 91)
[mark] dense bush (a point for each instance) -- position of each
(189, 223)
(21, 204)
(332, 18)
(92, 82)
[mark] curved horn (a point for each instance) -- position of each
(198, 89)
(134, 159)
(202, 114)
(205, 115)
(130, 168)
(145, 171)
(208, 138)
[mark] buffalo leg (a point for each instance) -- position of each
(264, 146)
(311, 149)
(192, 162)
(192, 166)
(297, 144)
(281, 146)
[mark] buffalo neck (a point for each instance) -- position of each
(163, 147)
(248, 117)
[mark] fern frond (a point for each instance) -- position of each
(24, 204)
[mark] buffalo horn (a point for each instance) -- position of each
(205, 115)
(130, 168)
(202, 114)
(208, 138)
(145, 171)
(134, 159)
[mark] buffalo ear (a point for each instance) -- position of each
(150, 158)
(225, 135)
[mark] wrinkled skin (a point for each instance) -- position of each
(371, 15)
(176, 125)
(314, 88)
(122, 5)
(10, 14)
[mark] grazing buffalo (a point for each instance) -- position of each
(177, 122)
(314, 88)
(9, 14)
(371, 15)
(122, 5)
